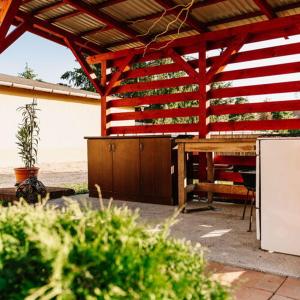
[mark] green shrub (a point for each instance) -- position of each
(78, 253)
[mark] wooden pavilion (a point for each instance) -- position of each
(112, 33)
(119, 35)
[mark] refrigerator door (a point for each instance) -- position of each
(257, 192)
(280, 195)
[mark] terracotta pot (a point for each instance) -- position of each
(24, 173)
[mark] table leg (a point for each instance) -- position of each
(181, 176)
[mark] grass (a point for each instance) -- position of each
(79, 188)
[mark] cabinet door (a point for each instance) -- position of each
(100, 167)
(155, 176)
(126, 169)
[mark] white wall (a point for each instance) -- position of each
(63, 126)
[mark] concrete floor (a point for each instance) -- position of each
(222, 233)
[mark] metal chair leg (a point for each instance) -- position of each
(245, 205)
(251, 211)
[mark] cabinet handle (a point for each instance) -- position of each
(113, 147)
(109, 147)
(141, 146)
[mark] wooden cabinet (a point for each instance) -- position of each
(100, 167)
(133, 168)
(155, 170)
(126, 169)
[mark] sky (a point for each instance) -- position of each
(49, 60)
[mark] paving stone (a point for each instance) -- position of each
(277, 297)
(247, 293)
(290, 288)
(262, 281)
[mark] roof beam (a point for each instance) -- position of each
(225, 57)
(13, 36)
(96, 30)
(266, 8)
(85, 66)
(26, 1)
(47, 7)
(8, 10)
(104, 18)
(49, 28)
(108, 3)
(183, 15)
(65, 16)
(264, 30)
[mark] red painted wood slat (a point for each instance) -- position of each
(158, 84)
(239, 57)
(255, 125)
(272, 106)
(166, 128)
(228, 176)
(160, 99)
(262, 89)
(280, 69)
(249, 161)
(154, 114)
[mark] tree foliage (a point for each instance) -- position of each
(77, 78)
(29, 73)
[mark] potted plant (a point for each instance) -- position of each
(27, 142)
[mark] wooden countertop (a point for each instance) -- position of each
(125, 137)
(239, 145)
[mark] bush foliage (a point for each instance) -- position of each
(78, 253)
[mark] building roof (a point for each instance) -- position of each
(111, 25)
(44, 87)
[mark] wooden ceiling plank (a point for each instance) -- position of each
(44, 25)
(183, 15)
(169, 12)
(217, 22)
(106, 19)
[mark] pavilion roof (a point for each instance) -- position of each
(112, 25)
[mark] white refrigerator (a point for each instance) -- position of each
(278, 194)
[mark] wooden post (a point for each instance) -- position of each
(103, 100)
(181, 176)
(202, 108)
(210, 174)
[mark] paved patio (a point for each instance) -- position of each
(233, 253)
(253, 285)
(222, 233)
